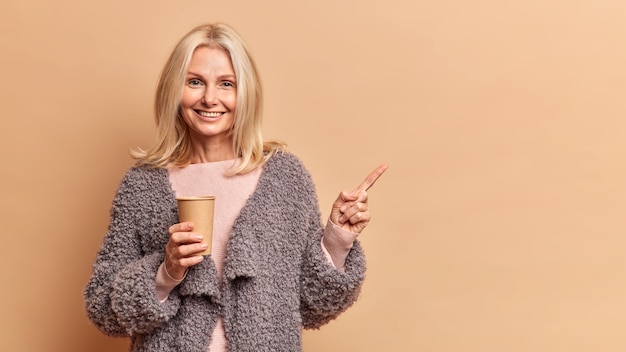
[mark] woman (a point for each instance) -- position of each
(274, 269)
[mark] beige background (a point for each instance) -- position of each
(498, 227)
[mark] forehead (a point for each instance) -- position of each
(207, 59)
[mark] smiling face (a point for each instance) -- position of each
(208, 103)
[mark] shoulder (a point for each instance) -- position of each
(145, 196)
(285, 163)
(143, 182)
(144, 177)
(285, 173)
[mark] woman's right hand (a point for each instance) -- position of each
(182, 249)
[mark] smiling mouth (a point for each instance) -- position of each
(210, 114)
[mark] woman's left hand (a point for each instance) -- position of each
(350, 211)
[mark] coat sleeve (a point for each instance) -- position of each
(120, 296)
(325, 291)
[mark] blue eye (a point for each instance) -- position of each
(228, 84)
(194, 82)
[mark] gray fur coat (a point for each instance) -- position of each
(276, 278)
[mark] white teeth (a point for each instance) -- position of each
(210, 114)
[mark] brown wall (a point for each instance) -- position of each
(498, 227)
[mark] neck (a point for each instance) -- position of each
(207, 152)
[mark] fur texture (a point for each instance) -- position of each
(276, 278)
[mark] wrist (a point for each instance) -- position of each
(173, 273)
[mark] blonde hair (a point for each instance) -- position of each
(173, 145)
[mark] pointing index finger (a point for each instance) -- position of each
(371, 178)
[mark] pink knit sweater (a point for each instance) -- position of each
(231, 194)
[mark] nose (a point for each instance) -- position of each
(210, 95)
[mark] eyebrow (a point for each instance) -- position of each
(232, 77)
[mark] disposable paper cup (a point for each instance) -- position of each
(198, 210)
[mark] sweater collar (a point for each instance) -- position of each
(242, 259)
(201, 279)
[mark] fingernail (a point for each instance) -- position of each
(199, 237)
(343, 209)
